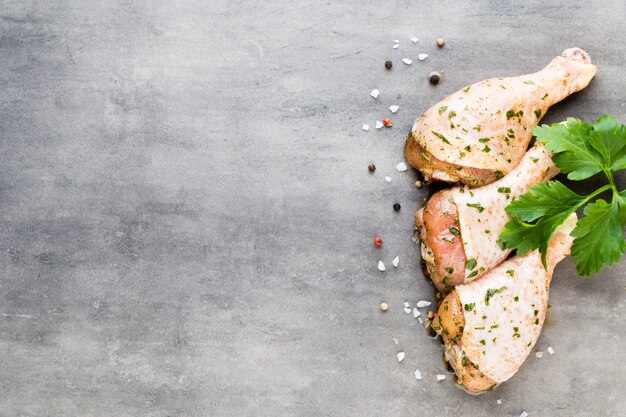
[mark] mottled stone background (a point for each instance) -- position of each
(186, 212)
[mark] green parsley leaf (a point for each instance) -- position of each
(544, 199)
(575, 155)
(621, 202)
(609, 139)
(581, 151)
(599, 238)
(548, 203)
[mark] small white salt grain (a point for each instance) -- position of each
(395, 340)
(407, 304)
(419, 319)
(394, 108)
(396, 41)
(401, 167)
(422, 303)
(550, 350)
(407, 61)
(416, 312)
(422, 57)
(414, 39)
(396, 46)
(538, 355)
(418, 374)
(400, 356)
(388, 179)
(499, 402)
(381, 266)
(396, 261)
(365, 127)
(441, 377)
(524, 414)
(379, 124)
(407, 310)
(375, 93)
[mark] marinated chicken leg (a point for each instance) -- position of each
(490, 325)
(459, 227)
(481, 132)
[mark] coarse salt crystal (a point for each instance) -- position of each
(388, 179)
(422, 303)
(365, 127)
(441, 377)
(407, 61)
(396, 261)
(419, 319)
(418, 374)
(414, 39)
(395, 340)
(422, 57)
(375, 93)
(400, 356)
(407, 304)
(381, 266)
(550, 350)
(401, 167)
(396, 46)
(396, 41)
(524, 414)
(394, 108)
(407, 310)
(379, 124)
(499, 402)
(538, 355)
(416, 312)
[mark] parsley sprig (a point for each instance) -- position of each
(581, 150)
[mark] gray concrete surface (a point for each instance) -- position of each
(186, 212)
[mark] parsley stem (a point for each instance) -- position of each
(609, 176)
(595, 193)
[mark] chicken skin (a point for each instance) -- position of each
(459, 227)
(490, 325)
(480, 133)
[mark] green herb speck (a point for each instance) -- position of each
(470, 264)
(493, 291)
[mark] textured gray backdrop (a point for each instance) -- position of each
(186, 212)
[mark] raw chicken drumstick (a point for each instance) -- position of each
(490, 325)
(481, 132)
(459, 227)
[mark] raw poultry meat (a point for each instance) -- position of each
(459, 227)
(490, 325)
(481, 132)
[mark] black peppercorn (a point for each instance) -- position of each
(432, 332)
(388, 64)
(397, 206)
(434, 77)
(371, 168)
